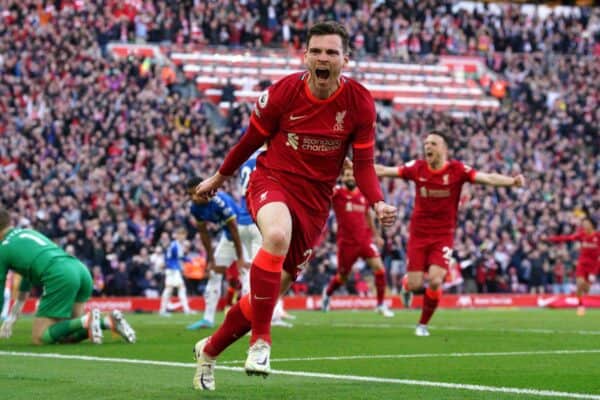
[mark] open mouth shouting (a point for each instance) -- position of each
(429, 155)
(322, 74)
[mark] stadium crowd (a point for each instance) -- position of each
(380, 28)
(94, 152)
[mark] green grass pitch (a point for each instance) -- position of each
(471, 354)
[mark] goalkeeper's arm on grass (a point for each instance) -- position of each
(15, 311)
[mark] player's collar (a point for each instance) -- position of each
(314, 99)
(440, 170)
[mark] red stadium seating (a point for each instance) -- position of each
(440, 86)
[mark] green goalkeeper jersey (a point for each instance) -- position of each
(28, 253)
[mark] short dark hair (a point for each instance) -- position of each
(330, 28)
(4, 218)
(193, 182)
(447, 139)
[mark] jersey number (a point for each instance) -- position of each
(447, 254)
(304, 263)
(39, 240)
(245, 178)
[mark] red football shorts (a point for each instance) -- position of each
(585, 270)
(426, 250)
(348, 253)
(307, 220)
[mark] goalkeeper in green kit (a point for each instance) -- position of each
(67, 285)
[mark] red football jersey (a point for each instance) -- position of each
(309, 137)
(437, 194)
(350, 208)
(589, 252)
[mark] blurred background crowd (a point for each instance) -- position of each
(95, 151)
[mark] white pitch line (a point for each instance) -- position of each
(410, 382)
(451, 328)
(522, 330)
(458, 386)
(426, 355)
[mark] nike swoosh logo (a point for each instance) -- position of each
(295, 117)
(545, 302)
(263, 362)
(261, 298)
(204, 385)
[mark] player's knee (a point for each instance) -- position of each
(276, 240)
(414, 283)
(435, 284)
(436, 277)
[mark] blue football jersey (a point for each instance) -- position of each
(219, 210)
(245, 170)
(174, 256)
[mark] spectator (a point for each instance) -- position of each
(119, 285)
(537, 275)
(148, 285)
(228, 92)
(98, 281)
(87, 142)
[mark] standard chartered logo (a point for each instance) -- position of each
(312, 144)
(292, 141)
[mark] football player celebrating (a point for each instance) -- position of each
(438, 183)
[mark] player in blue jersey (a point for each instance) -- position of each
(223, 211)
(174, 258)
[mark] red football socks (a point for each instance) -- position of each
(235, 326)
(380, 285)
(430, 303)
(265, 280)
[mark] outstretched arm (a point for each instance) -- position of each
(561, 238)
(382, 170)
(493, 179)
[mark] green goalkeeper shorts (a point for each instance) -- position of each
(65, 282)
